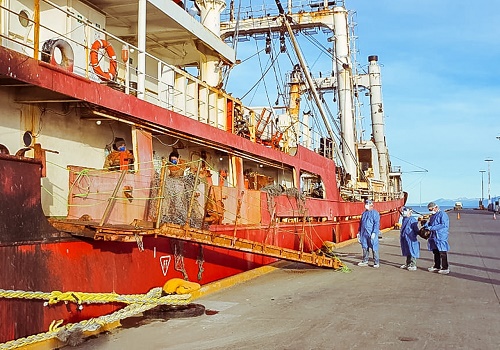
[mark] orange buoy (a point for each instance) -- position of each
(124, 53)
(94, 59)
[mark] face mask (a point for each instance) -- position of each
(434, 211)
(122, 148)
(367, 207)
(174, 161)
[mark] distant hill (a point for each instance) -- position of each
(466, 202)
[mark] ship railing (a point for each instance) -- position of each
(395, 169)
(119, 198)
(270, 9)
(352, 194)
(189, 208)
(163, 84)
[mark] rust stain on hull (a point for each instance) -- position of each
(21, 215)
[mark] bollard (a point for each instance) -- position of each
(458, 216)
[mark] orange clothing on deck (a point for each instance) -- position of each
(119, 160)
(177, 170)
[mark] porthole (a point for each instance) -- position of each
(24, 18)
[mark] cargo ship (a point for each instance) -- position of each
(125, 162)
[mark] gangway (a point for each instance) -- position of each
(135, 233)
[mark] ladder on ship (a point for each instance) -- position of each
(129, 233)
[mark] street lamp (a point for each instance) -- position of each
(482, 188)
(489, 180)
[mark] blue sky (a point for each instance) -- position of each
(441, 70)
(441, 86)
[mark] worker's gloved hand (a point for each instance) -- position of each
(373, 235)
(359, 239)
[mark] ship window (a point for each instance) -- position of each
(24, 18)
(259, 175)
(365, 157)
(27, 138)
(311, 185)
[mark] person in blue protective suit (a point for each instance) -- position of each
(369, 227)
(438, 224)
(410, 246)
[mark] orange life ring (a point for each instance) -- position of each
(94, 59)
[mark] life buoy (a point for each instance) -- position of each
(4, 150)
(94, 59)
(67, 57)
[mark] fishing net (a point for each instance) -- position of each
(177, 200)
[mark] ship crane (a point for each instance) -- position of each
(334, 19)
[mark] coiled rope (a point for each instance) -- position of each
(138, 303)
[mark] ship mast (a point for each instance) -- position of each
(345, 94)
(377, 114)
(310, 82)
(335, 19)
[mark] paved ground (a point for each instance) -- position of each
(301, 307)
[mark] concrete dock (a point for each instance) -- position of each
(301, 307)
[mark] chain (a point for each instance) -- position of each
(140, 243)
(200, 260)
(179, 258)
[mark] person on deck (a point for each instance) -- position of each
(410, 246)
(120, 158)
(176, 165)
(438, 224)
(369, 227)
(176, 196)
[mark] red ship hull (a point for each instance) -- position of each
(58, 262)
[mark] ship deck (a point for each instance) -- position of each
(301, 307)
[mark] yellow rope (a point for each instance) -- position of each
(91, 325)
(98, 298)
(137, 303)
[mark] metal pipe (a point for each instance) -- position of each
(141, 44)
(377, 115)
(482, 186)
(36, 33)
(489, 180)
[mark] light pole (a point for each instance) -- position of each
(482, 188)
(489, 180)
